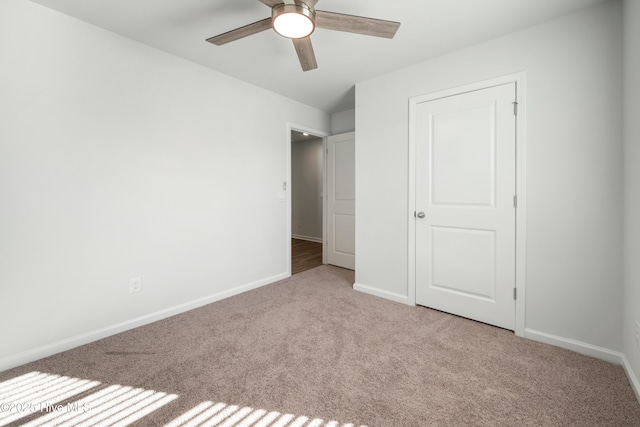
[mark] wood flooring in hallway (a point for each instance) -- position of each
(305, 255)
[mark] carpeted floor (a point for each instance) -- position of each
(310, 350)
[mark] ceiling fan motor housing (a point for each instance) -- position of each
(293, 21)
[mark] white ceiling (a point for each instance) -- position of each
(429, 28)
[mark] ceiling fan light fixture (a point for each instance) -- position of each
(293, 21)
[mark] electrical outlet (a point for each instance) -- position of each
(135, 284)
(637, 333)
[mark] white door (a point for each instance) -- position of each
(341, 200)
(465, 211)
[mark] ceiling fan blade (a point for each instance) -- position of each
(304, 49)
(271, 3)
(356, 24)
(241, 32)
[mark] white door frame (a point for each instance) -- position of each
(323, 135)
(520, 246)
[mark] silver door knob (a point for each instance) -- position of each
(420, 215)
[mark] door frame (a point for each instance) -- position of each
(520, 244)
(320, 134)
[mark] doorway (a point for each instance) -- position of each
(321, 202)
(307, 201)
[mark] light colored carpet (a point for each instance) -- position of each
(310, 349)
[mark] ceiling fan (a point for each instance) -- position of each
(297, 19)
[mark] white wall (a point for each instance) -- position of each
(573, 113)
(306, 189)
(116, 161)
(632, 184)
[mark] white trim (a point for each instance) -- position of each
(577, 346)
(635, 384)
(307, 238)
(521, 210)
(382, 294)
(46, 350)
(520, 279)
(411, 197)
(325, 185)
(291, 127)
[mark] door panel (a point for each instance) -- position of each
(344, 161)
(475, 249)
(465, 183)
(462, 163)
(341, 184)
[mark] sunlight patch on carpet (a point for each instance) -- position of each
(36, 392)
(210, 414)
(38, 399)
(40, 395)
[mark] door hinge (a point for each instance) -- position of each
(515, 293)
(515, 201)
(515, 108)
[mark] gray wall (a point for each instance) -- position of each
(343, 122)
(632, 184)
(573, 119)
(119, 161)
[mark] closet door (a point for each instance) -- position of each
(465, 213)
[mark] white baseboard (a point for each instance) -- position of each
(635, 384)
(577, 346)
(307, 238)
(381, 293)
(18, 359)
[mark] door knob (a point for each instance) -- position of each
(420, 215)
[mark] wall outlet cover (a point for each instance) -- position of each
(135, 284)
